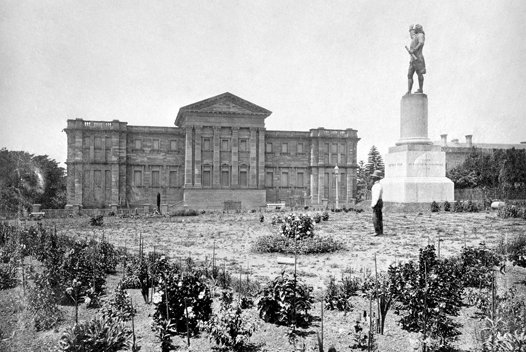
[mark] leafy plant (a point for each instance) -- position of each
(338, 294)
(471, 207)
(325, 216)
(119, 306)
(380, 288)
(285, 301)
(98, 334)
(428, 293)
(435, 207)
(8, 276)
(447, 206)
(506, 323)
(281, 244)
(42, 304)
(230, 328)
(185, 212)
(458, 207)
(298, 227)
(182, 299)
(316, 218)
(515, 250)
(97, 220)
(108, 256)
(476, 265)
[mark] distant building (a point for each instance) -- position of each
(218, 152)
(457, 152)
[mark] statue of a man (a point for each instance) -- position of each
(417, 63)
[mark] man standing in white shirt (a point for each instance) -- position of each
(377, 203)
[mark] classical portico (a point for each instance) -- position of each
(224, 157)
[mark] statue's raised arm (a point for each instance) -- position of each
(417, 63)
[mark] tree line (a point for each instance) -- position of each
(27, 179)
(504, 170)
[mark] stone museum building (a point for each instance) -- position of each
(218, 152)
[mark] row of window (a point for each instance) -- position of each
(98, 142)
(333, 148)
(155, 178)
(284, 148)
(155, 144)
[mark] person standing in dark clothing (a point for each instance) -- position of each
(377, 203)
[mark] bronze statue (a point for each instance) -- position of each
(417, 63)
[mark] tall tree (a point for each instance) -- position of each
(362, 180)
(26, 179)
(374, 161)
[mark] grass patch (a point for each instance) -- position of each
(312, 245)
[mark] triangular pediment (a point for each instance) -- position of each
(226, 103)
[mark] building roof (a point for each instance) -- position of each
(226, 103)
(451, 144)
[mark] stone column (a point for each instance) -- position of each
(216, 167)
(252, 180)
(79, 167)
(114, 183)
(321, 154)
(321, 184)
(350, 186)
(413, 120)
(261, 159)
(235, 157)
(314, 186)
(197, 157)
(188, 182)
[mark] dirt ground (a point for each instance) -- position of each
(231, 236)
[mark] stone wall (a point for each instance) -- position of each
(216, 198)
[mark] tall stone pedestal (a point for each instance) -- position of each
(415, 169)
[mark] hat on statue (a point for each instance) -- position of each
(377, 174)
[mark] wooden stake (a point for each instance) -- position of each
(186, 316)
(369, 342)
(322, 306)
(376, 293)
(134, 345)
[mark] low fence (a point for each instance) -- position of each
(479, 194)
(65, 213)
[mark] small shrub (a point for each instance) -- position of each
(281, 244)
(183, 299)
(230, 328)
(108, 256)
(185, 212)
(447, 206)
(429, 293)
(284, 297)
(516, 250)
(317, 218)
(471, 207)
(42, 304)
(512, 211)
(119, 306)
(458, 207)
(297, 226)
(435, 208)
(97, 220)
(7, 276)
(337, 295)
(98, 334)
(476, 265)
(325, 216)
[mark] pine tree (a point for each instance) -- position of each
(374, 161)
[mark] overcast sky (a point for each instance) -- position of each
(333, 64)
